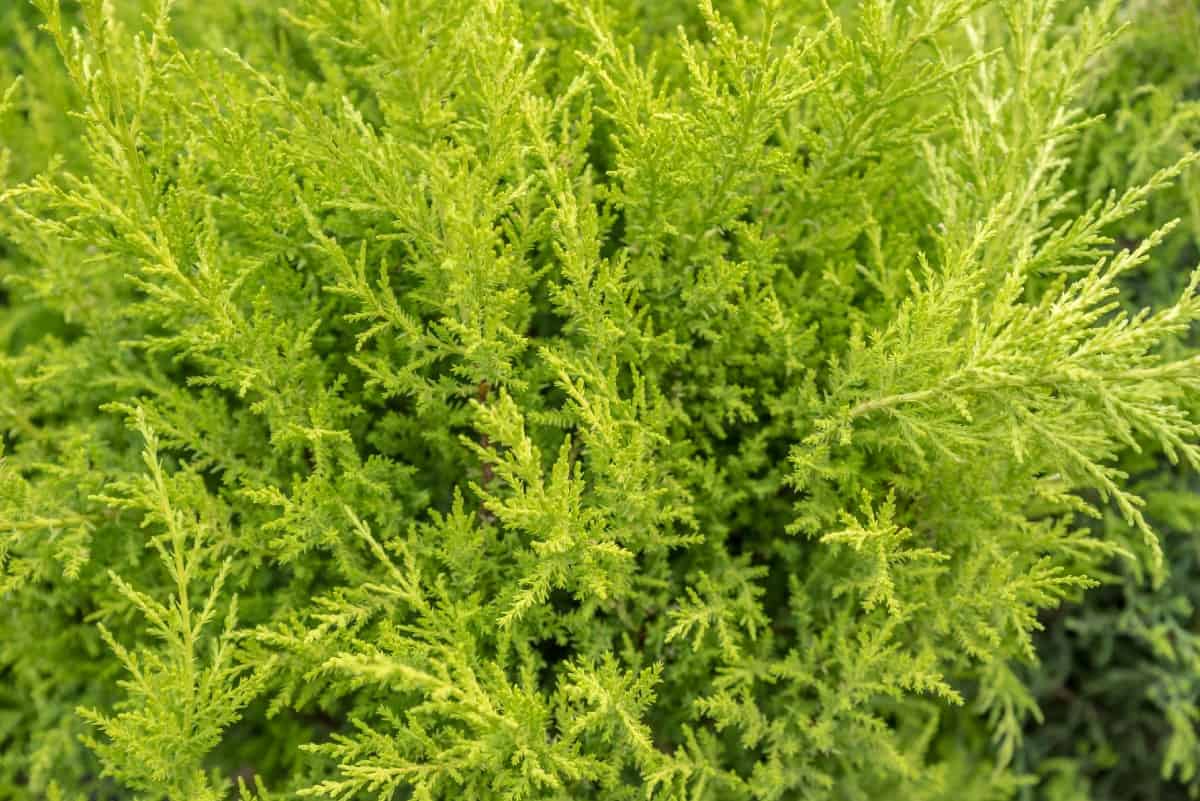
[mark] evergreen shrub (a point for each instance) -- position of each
(599, 399)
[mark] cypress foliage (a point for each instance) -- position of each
(1117, 686)
(583, 399)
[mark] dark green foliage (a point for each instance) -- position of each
(570, 399)
(1119, 683)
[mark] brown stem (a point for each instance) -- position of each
(481, 394)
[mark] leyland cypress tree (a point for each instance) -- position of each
(593, 399)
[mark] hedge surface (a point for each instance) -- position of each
(599, 399)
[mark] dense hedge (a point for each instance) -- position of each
(599, 399)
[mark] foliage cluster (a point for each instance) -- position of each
(598, 399)
(1119, 685)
